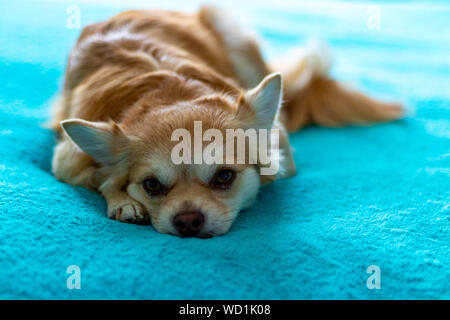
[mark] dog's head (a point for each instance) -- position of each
(148, 157)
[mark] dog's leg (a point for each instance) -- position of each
(75, 167)
(122, 207)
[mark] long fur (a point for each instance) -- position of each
(135, 78)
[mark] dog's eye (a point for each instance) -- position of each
(152, 186)
(223, 179)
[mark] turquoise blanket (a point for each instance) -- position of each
(377, 195)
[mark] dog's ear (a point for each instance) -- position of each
(97, 139)
(262, 103)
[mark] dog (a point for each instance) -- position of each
(135, 78)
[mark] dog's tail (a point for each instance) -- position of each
(311, 97)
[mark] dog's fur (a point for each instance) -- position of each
(133, 79)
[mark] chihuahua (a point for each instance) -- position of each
(134, 79)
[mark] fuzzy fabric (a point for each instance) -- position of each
(376, 195)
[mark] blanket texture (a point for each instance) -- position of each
(376, 195)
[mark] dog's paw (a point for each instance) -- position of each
(130, 212)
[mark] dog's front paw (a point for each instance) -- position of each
(130, 212)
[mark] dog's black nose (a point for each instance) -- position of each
(189, 224)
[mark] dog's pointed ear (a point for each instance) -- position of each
(97, 139)
(262, 103)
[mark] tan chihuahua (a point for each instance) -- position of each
(135, 78)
